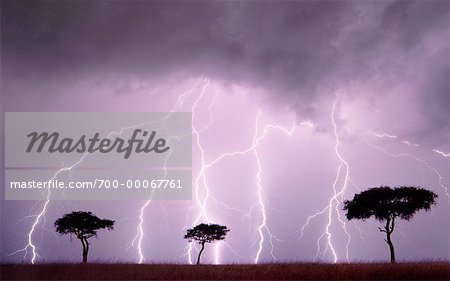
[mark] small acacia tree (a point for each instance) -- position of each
(84, 225)
(206, 233)
(386, 204)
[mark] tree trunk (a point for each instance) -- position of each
(391, 248)
(200, 253)
(85, 244)
(389, 228)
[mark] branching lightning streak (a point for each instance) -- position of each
(344, 186)
(140, 228)
(139, 237)
(41, 214)
(333, 203)
(203, 179)
(441, 153)
(420, 160)
(261, 204)
(382, 135)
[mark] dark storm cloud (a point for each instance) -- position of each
(411, 23)
(297, 51)
(260, 43)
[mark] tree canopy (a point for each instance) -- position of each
(206, 233)
(82, 224)
(384, 202)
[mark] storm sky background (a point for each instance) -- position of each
(386, 64)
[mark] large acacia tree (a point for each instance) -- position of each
(206, 233)
(387, 204)
(83, 225)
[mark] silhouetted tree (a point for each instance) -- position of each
(386, 204)
(206, 233)
(84, 225)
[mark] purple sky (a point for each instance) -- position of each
(385, 64)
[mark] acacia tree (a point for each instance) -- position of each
(84, 225)
(387, 204)
(206, 233)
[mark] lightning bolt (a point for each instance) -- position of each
(382, 135)
(337, 196)
(201, 183)
(139, 237)
(40, 216)
(420, 160)
(441, 153)
(263, 225)
(333, 204)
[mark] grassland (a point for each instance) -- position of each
(299, 271)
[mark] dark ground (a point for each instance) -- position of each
(301, 271)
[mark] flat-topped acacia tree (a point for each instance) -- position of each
(206, 233)
(387, 204)
(84, 225)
